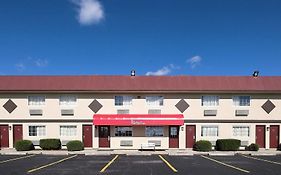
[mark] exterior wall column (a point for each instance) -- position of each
(11, 139)
(267, 136)
(182, 137)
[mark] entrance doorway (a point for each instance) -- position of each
(173, 136)
(190, 135)
(104, 136)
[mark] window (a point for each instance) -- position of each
(123, 100)
(37, 131)
(68, 130)
(242, 131)
(123, 131)
(36, 100)
(154, 131)
(154, 101)
(209, 131)
(67, 100)
(210, 101)
(241, 100)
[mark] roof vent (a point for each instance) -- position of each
(133, 73)
(256, 73)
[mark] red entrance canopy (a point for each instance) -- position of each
(138, 119)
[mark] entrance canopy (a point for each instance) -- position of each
(138, 119)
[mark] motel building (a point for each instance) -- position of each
(128, 112)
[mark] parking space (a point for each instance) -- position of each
(255, 166)
(140, 165)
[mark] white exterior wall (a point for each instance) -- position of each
(225, 111)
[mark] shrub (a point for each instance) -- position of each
(279, 147)
(75, 145)
(228, 144)
(24, 145)
(202, 145)
(50, 144)
(252, 147)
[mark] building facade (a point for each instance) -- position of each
(125, 112)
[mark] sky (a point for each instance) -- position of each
(153, 37)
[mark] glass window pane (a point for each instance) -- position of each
(154, 131)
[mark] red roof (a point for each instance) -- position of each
(140, 83)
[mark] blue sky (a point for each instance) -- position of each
(159, 37)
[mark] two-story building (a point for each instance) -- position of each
(123, 112)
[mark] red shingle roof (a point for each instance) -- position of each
(140, 83)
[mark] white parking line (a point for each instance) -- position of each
(260, 159)
(230, 166)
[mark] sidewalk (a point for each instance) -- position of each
(172, 152)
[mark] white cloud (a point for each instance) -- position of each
(163, 71)
(194, 61)
(20, 66)
(89, 11)
(41, 62)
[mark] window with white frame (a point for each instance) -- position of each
(123, 100)
(36, 130)
(241, 100)
(241, 131)
(154, 100)
(154, 131)
(123, 131)
(68, 130)
(210, 100)
(211, 131)
(36, 100)
(67, 100)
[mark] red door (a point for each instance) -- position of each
(274, 136)
(104, 136)
(87, 135)
(4, 136)
(260, 135)
(17, 133)
(173, 137)
(190, 135)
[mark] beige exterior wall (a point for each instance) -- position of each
(225, 111)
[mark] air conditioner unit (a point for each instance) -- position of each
(154, 111)
(123, 111)
(242, 112)
(210, 112)
(36, 112)
(67, 112)
(126, 142)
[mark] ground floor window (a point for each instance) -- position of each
(68, 130)
(209, 131)
(154, 131)
(241, 131)
(123, 131)
(36, 130)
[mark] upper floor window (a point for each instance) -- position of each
(123, 100)
(36, 100)
(154, 100)
(210, 100)
(241, 100)
(67, 100)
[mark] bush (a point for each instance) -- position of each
(24, 145)
(202, 145)
(75, 145)
(50, 144)
(228, 144)
(252, 147)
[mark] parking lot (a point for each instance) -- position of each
(139, 165)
